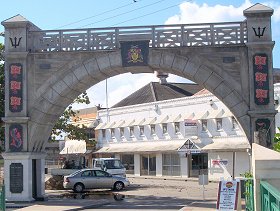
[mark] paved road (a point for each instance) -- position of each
(143, 194)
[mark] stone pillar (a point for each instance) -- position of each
(261, 88)
(184, 166)
(21, 182)
(158, 165)
(266, 166)
(137, 164)
(24, 176)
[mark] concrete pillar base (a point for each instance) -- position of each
(24, 176)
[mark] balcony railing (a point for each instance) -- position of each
(270, 197)
(162, 36)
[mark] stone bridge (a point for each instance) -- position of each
(47, 69)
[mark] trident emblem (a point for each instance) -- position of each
(15, 42)
(259, 33)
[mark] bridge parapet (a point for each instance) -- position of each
(161, 36)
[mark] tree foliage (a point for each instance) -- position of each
(276, 145)
(63, 126)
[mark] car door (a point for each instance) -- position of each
(88, 179)
(104, 179)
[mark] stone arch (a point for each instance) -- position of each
(61, 89)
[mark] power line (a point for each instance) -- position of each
(102, 13)
(146, 15)
(123, 13)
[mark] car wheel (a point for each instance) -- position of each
(79, 187)
(118, 186)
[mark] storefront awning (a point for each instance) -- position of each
(155, 146)
(235, 143)
(74, 147)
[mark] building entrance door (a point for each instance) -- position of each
(199, 164)
(148, 164)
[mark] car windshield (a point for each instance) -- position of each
(113, 164)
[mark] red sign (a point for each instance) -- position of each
(15, 88)
(261, 82)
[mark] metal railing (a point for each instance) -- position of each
(249, 194)
(161, 36)
(270, 197)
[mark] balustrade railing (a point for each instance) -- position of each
(270, 197)
(249, 194)
(162, 36)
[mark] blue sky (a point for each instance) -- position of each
(61, 14)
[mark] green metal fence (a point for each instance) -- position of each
(270, 197)
(2, 198)
(249, 194)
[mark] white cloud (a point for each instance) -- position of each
(191, 12)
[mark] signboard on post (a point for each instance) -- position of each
(228, 195)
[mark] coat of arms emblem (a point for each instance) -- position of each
(134, 54)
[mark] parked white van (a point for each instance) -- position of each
(111, 165)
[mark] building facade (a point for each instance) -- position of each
(181, 137)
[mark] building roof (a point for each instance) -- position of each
(154, 91)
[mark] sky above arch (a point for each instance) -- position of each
(62, 14)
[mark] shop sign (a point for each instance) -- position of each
(15, 87)
(135, 53)
(218, 162)
(261, 79)
(190, 127)
(228, 195)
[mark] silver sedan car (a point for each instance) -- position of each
(94, 179)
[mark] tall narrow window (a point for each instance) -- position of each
(177, 127)
(153, 130)
(112, 132)
(234, 123)
(164, 128)
(131, 131)
(219, 124)
(204, 125)
(103, 131)
(122, 132)
(141, 128)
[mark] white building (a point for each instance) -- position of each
(184, 137)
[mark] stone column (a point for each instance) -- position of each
(23, 169)
(260, 81)
(159, 164)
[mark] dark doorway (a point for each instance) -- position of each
(34, 179)
(199, 164)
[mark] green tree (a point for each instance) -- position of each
(276, 145)
(63, 126)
